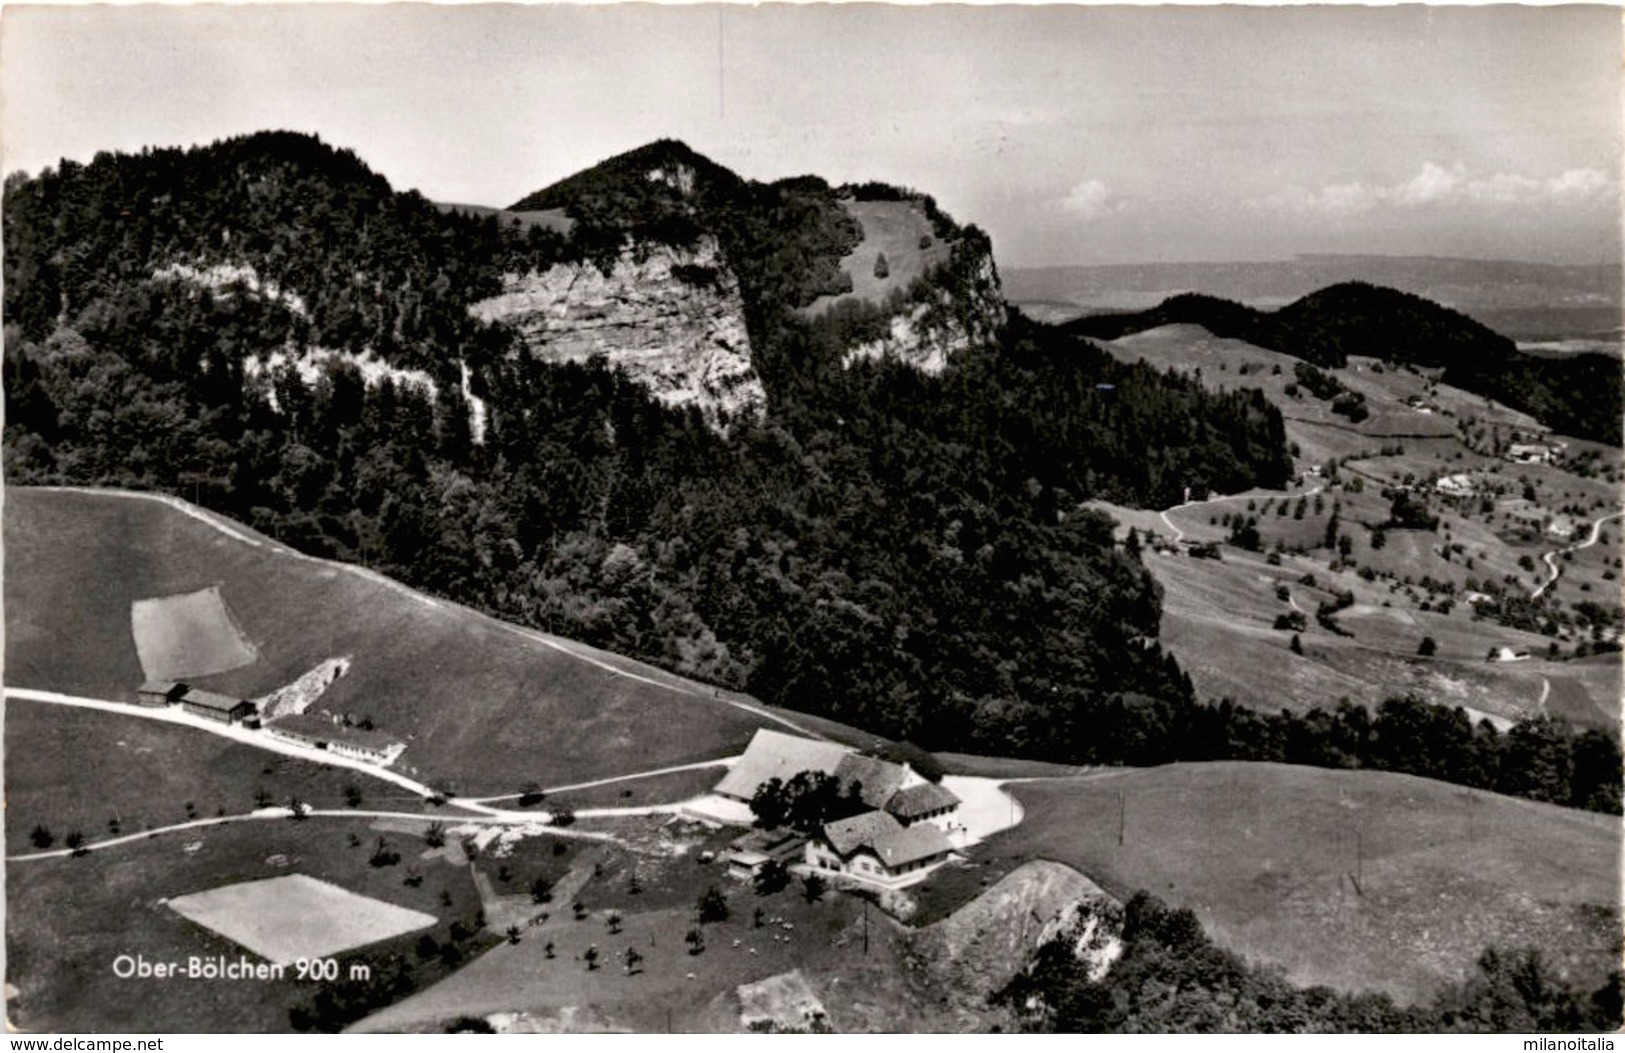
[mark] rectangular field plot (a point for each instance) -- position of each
(282, 919)
(187, 635)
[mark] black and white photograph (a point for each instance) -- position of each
(812, 518)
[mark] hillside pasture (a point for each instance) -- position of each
(68, 919)
(284, 919)
(482, 705)
(1357, 880)
(187, 636)
(1218, 618)
(894, 229)
(80, 769)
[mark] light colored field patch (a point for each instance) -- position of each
(282, 919)
(188, 635)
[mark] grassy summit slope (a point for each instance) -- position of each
(1360, 880)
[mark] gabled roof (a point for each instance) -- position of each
(775, 755)
(211, 700)
(160, 687)
(861, 831)
(912, 802)
(912, 844)
(877, 779)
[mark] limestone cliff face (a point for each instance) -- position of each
(965, 311)
(671, 318)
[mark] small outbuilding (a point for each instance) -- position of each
(160, 692)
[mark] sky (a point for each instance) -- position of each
(1073, 135)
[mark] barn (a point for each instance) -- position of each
(224, 708)
(323, 733)
(160, 692)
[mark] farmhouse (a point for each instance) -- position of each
(314, 732)
(160, 692)
(775, 755)
(1455, 485)
(1508, 654)
(895, 789)
(1534, 452)
(224, 708)
(877, 848)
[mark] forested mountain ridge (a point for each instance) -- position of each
(1576, 395)
(264, 326)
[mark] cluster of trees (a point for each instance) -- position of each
(1573, 394)
(1171, 977)
(897, 550)
(1541, 758)
(806, 802)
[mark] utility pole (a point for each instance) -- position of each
(866, 928)
(1122, 818)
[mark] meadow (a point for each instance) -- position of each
(1355, 879)
(483, 706)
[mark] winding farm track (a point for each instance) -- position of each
(1550, 558)
(285, 814)
(578, 651)
(1179, 535)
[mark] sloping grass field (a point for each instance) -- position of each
(67, 920)
(1357, 880)
(894, 229)
(482, 705)
(73, 769)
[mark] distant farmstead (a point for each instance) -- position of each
(325, 733)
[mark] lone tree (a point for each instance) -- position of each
(41, 837)
(882, 268)
(695, 940)
(76, 841)
(773, 877)
(633, 960)
(591, 955)
(1297, 644)
(613, 920)
(513, 934)
(713, 906)
(812, 888)
(541, 891)
(352, 795)
(547, 949)
(1427, 647)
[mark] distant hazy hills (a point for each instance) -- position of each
(1576, 394)
(1518, 299)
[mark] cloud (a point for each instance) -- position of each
(1091, 199)
(1439, 185)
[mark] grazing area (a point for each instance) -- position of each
(108, 775)
(483, 705)
(1356, 880)
(898, 232)
(189, 635)
(283, 919)
(68, 919)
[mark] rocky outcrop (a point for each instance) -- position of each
(977, 950)
(671, 318)
(965, 310)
